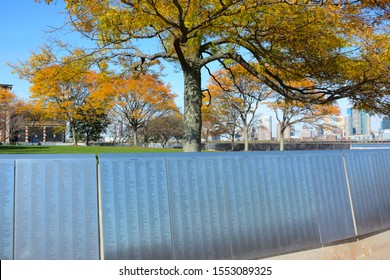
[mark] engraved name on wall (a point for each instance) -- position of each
(56, 213)
(6, 208)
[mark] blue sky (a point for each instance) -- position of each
(22, 29)
(24, 26)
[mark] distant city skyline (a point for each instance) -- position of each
(353, 123)
(358, 122)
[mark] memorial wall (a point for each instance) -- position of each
(369, 177)
(243, 205)
(134, 205)
(6, 208)
(189, 206)
(56, 207)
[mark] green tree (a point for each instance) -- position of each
(163, 128)
(287, 40)
(90, 125)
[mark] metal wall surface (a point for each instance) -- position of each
(56, 214)
(294, 201)
(230, 206)
(332, 198)
(6, 208)
(189, 206)
(197, 208)
(364, 191)
(380, 161)
(251, 207)
(134, 204)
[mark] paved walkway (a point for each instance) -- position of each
(376, 247)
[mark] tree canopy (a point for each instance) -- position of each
(236, 90)
(13, 112)
(289, 112)
(139, 99)
(336, 44)
(161, 129)
(65, 88)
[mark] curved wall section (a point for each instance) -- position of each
(225, 205)
(335, 219)
(368, 175)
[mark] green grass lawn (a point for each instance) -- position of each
(79, 150)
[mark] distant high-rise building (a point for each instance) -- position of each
(340, 127)
(265, 128)
(286, 134)
(366, 130)
(307, 133)
(347, 126)
(385, 124)
(357, 122)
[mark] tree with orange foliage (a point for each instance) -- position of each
(138, 99)
(65, 87)
(317, 39)
(289, 112)
(240, 94)
(212, 124)
(13, 112)
(36, 118)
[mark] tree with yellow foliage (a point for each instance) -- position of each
(13, 114)
(212, 124)
(65, 87)
(140, 98)
(239, 94)
(326, 41)
(289, 112)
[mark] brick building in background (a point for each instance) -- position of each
(29, 132)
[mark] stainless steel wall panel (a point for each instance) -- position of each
(332, 198)
(381, 170)
(56, 208)
(365, 197)
(240, 205)
(6, 208)
(198, 208)
(135, 213)
(294, 202)
(250, 204)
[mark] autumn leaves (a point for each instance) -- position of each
(342, 47)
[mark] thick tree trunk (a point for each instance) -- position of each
(192, 110)
(135, 137)
(282, 141)
(74, 135)
(246, 142)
